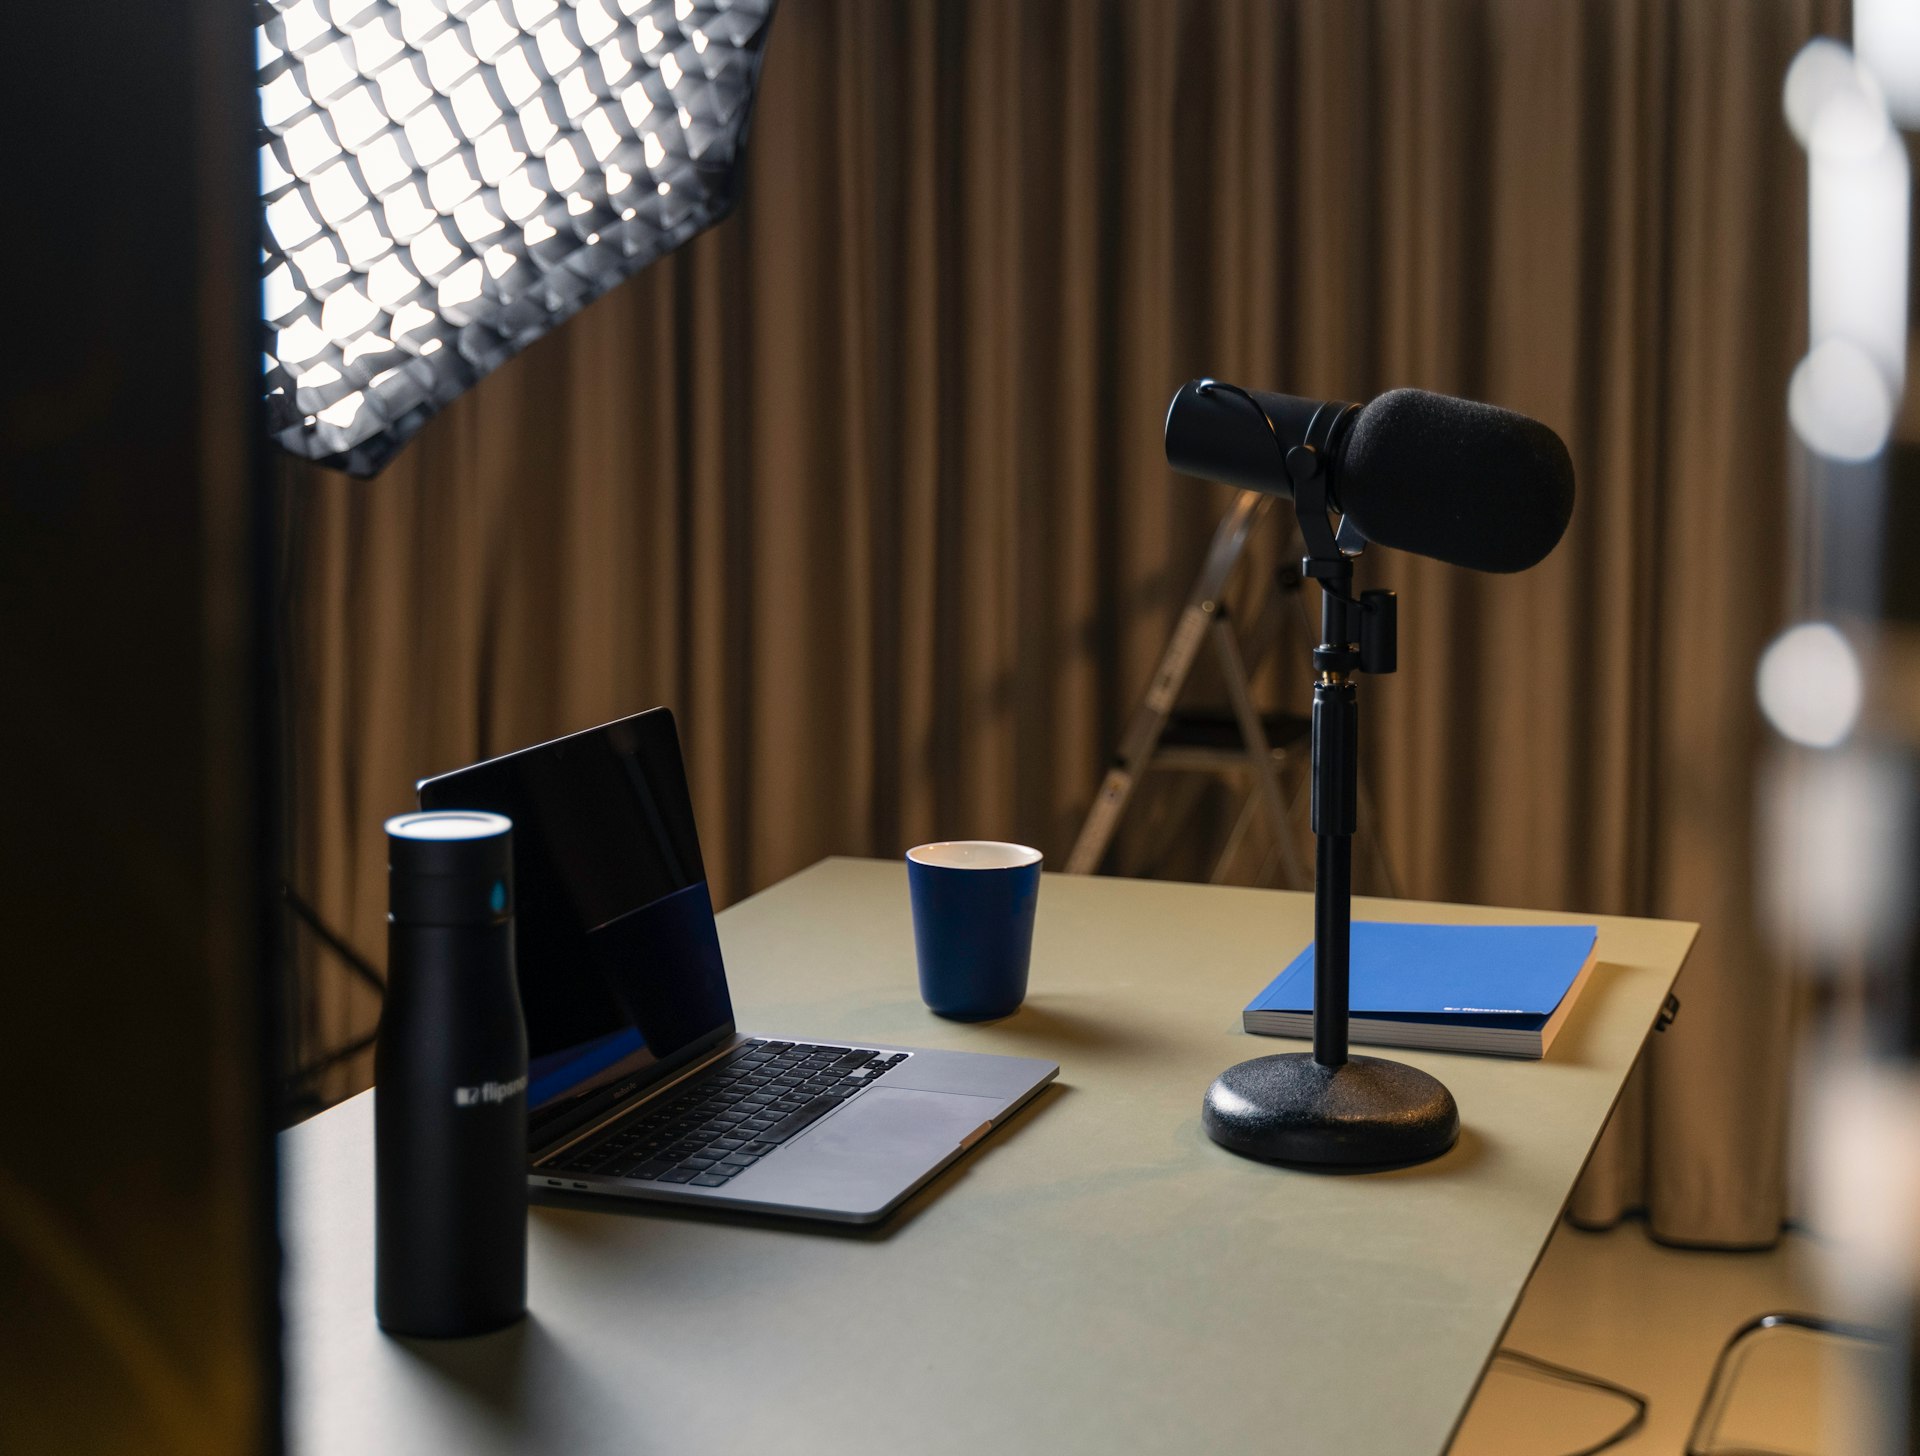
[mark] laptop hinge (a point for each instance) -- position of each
(725, 1048)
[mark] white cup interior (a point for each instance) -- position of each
(974, 854)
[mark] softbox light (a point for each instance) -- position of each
(444, 181)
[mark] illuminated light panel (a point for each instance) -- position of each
(519, 198)
(281, 294)
(1811, 685)
(1859, 198)
(273, 176)
(539, 123)
(450, 183)
(448, 59)
(598, 24)
(476, 221)
(367, 346)
(430, 136)
(489, 31)
(302, 26)
(290, 222)
(435, 254)
(330, 71)
(564, 168)
(1886, 37)
(363, 239)
(496, 156)
(419, 19)
(614, 65)
(419, 151)
(603, 137)
(474, 108)
(376, 41)
(319, 262)
(403, 87)
(347, 312)
(405, 211)
(463, 285)
(309, 144)
(514, 74)
(357, 118)
(557, 53)
(345, 412)
(576, 95)
(1839, 403)
(527, 14)
(383, 164)
(336, 194)
(411, 318)
(389, 282)
(1845, 393)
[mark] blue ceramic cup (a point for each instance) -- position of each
(973, 905)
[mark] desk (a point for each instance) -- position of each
(1096, 1276)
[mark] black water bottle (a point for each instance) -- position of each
(450, 1084)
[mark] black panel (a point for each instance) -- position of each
(138, 1254)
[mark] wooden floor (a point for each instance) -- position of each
(1651, 1318)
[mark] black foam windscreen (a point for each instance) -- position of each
(1465, 483)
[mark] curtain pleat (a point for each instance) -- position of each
(866, 483)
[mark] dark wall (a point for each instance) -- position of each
(137, 1273)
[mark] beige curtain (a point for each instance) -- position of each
(867, 482)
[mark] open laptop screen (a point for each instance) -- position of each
(618, 958)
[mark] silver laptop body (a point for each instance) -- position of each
(854, 1163)
(640, 1084)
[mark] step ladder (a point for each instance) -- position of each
(1263, 749)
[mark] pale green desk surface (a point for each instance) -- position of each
(1095, 1277)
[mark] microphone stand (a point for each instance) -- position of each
(1327, 1108)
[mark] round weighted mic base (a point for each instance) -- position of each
(1365, 1113)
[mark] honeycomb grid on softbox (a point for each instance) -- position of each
(444, 181)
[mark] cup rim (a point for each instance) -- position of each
(1018, 856)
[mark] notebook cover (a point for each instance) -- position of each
(1508, 977)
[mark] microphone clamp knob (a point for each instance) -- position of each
(1379, 631)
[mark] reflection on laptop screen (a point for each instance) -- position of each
(618, 958)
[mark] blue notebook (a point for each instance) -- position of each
(1499, 989)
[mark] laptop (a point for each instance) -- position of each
(639, 1083)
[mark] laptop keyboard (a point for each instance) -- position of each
(727, 1120)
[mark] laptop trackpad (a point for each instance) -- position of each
(887, 1122)
(862, 1159)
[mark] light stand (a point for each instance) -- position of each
(1326, 1108)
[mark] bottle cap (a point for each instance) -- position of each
(450, 867)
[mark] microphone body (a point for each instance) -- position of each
(1469, 484)
(1215, 434)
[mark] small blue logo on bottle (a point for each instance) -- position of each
(499, 897)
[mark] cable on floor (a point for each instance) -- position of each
(1569, 1376)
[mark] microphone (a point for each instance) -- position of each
(1469, 484)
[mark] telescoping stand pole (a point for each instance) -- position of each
(1329, 1109)
(1336, 785)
